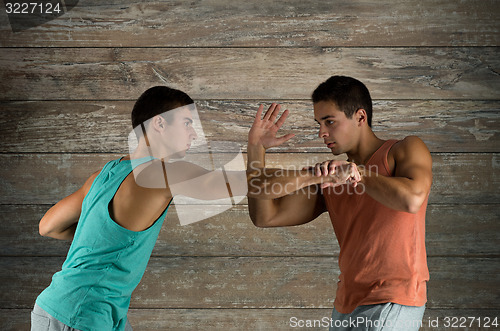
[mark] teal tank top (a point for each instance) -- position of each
(105, 262)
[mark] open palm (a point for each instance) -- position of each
(264, 129)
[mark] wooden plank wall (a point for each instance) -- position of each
(67, 88)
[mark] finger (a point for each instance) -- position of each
(275, 113)
(332, 168)
(258, 116)
(269, 112)
(356, 174)
(317, 170)
(336, 167)
(325, 168)
(282, 118)
(320, 167)
(344, 172)
(285, 138)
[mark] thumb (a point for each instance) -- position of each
(285, 138)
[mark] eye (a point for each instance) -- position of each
(330, 122)
(187, 123)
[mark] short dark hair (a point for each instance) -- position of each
(348, 93)
(157, 100)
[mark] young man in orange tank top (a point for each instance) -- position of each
(376, 200)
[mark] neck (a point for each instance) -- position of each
(144, 150)
(368, 144)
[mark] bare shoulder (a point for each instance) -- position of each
(410, 147)
(411, 153)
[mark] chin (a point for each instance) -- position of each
(178, 155)
(336, 152)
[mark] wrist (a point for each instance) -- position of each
(309, 177)
(256, 146)
(364, 174)
(256, 156)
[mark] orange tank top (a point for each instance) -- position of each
(382, 251)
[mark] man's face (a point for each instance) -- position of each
(179, 132)
(337, 131)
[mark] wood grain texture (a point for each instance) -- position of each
(47, 178)
(451, 230)
(247, 319)
(293, 23)
(67, 88)
(255, 282)
(97, 127)
(249, 73)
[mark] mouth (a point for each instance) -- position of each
(330, 145)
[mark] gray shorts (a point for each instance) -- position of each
(43, 321)
(387, 317)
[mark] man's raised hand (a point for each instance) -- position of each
(264, 129)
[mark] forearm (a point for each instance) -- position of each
(399, 193)
(260, 211)
(213, 185)
(273, 183)
(269, 189)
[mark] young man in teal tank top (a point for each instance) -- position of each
(114, 219)
(379, 225)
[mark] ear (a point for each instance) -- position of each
(361, 117)
(158, 123)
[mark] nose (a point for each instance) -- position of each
(194, 136)
(323, 133)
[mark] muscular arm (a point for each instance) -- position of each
(279, 197)
(60, 220)
(286, 205)
(412, 180)
(274, 183)
(196, 182)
